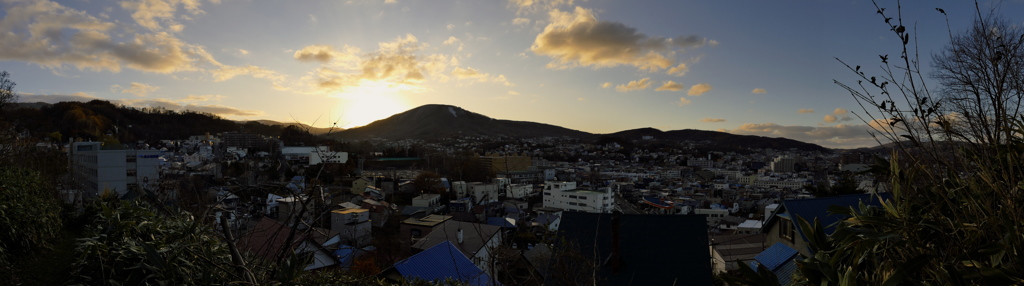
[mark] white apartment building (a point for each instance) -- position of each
(519, 191)
(96, 170)
(564, 195)
(483, 192)
(783, 164)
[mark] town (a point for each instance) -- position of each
(510, 206)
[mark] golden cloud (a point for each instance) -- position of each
(684, 101)
(606, 85)
(670, 86)
(138, 89)
(712, 120)
(578, 39)
(805, 110)
(641, 84)
(698, 89)
(759, 91)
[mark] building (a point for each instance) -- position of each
(783, 164)
(413, 229)
(483, 192)
(353, 225)
(495, 163)
(243, 140)
(782, 226)
(97, 170)
(439, 262)
(672, 250)
(430, 201)
(559, 195)
(476, 241)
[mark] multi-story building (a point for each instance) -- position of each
(97, 170)
(783, 164)
(501, 164)
(353, 225)
(565, 196)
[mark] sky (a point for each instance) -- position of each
(745, 67)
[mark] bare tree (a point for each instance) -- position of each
(981, 73)
(7, 95)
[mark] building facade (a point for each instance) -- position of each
(96, 170)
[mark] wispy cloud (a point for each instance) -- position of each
(640, 84)
(670, 86)
(684, 101)
(759, 91)
(698, 89)
(805, 110)
(712, 120)
(138, 89)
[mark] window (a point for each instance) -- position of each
(583, 197)
(416, 233)
(786, 229)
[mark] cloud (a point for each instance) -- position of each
(520, 21)
(475, 75)
(698, 89)
(712, 120)
(839, 136)
(53, 36)
(55, 98)
(578, 39)
(641, 84)
(205, 97)
(606, 85)
(838, 115)
(451, 40)
(138, 89)
(318, 53)
(512, 92)
(759, 91)
(158, 15)
(670, 86)
(532, 6)
(679, 70)
(450, 26)
(805, 110)
(684, 101)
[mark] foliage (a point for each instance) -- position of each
(128, 243)
(954, 171)
(28, 216)
(7, 95)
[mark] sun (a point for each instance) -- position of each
(369, 102)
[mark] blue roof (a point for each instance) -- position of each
(502, 222)
(809, 209)
(443, 261)
(775, 256)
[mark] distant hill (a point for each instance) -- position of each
(311, 129)
(438, 121)
(720, 139)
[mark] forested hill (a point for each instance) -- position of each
(100, 120)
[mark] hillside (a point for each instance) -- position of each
(438, 121)
(720, 139)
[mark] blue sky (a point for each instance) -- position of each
(745, 67)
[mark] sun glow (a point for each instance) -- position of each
(369, 102)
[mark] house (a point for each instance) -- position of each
(476, 241)
(353, 225)
(782, 225)
(673, 250)
(780, 260)
(431, 201)
(269, 237)
(439, 262)
(482, 193)
(519, 191)
(413, 229)
(359, 185)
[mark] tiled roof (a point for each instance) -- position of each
(443, 261)
(775, 256)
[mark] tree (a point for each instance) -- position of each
(7, 95)
(953, 171)
(28, 220)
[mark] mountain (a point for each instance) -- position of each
(438, 121)
(312, 130)
(720, 139)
